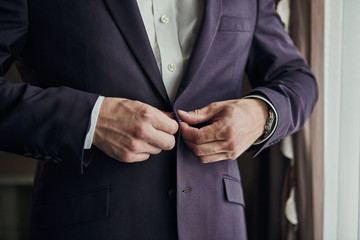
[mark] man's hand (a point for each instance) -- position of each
(234, 126)
(130, 131)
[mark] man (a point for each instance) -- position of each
(134, 109)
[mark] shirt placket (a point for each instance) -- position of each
(169, 46)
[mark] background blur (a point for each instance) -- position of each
(308, 186)
(16, 177)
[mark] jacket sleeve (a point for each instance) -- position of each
(47, 124)
(277, 71)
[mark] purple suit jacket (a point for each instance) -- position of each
(70, 52)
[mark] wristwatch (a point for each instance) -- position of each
(269, 123)
(268, 128)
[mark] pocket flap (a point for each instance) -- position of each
(233, 190)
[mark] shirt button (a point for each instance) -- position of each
(171, 67)
(172, 194)
(164, 19)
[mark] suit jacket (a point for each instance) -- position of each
(70, 52)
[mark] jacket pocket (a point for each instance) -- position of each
(234, 24)
(233, 190)
(83, 207)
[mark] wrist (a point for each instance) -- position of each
(261, 112)
(271, 121)
(89, 139)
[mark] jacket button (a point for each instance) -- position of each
(172, 193)
(57, 160)
(28, 155)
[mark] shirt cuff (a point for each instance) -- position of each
(264, 138)
(94, 117)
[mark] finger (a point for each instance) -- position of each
(209, 133)
(160, 139)
(217, 157)
(199, 115)
(211, 148)
(146, 140)
(164, 123)
(149, 149)
(140, 157)
(125, 155)
(129, 150)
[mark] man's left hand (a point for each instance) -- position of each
(234, 125)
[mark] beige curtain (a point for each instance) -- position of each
(307, 31)
(269, 178)
(300, 33)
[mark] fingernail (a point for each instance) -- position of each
(183, 123)
(181, 111)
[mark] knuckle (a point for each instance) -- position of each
(197, 139)
(141, 132)
(133, 146)
(146, 114)
(231, 155)
(228, 108)
(232, 146)
(227, 133)
(117, 155)
(213, 105)
(204, 160)
(197, 151)
(127, 157)
(228, 155)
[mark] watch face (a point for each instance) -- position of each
(269, 122)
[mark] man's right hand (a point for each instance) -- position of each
(130, 131)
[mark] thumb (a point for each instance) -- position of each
(197, 116)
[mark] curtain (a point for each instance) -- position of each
(283, 186)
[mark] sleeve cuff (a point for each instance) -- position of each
(264, 138)
(94, 117)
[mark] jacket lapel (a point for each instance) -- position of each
(206, 34)
(128, 19)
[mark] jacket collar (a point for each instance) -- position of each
(206, 35)
(128, 19)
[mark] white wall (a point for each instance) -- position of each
(342, 119)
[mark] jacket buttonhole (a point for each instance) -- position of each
(186, 190)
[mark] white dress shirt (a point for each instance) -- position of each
(172, 28)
